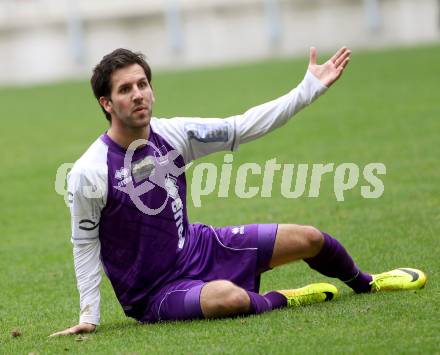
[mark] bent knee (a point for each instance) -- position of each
(230, 296)
(223, 298)
(314, 239)
(237, 299)
(308, 239)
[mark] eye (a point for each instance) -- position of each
(143, 84)
(124, 89)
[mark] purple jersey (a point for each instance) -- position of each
(139, 250)
(128, 207)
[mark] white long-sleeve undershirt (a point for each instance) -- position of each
(88, 276)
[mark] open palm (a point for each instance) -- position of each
(332, 69)
(77, 329)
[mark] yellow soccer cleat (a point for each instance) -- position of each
(313, 293)
(398, 279)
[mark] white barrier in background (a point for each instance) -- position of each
(44, 40)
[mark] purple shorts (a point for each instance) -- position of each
(238, 254)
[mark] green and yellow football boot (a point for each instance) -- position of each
(398, 279)
(313, 293)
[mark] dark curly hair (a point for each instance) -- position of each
(101, 80)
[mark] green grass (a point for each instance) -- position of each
(385, 109)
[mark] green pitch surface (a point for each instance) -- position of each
(385, 109)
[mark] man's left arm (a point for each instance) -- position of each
(196, 137)
(264, 118)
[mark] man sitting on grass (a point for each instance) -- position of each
(127, 196)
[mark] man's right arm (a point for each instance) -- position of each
(88, 276)
(86, 198)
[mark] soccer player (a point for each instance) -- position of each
(127, 196)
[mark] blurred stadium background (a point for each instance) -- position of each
(47, 40)
(386, 109)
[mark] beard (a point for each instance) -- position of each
(136, 120)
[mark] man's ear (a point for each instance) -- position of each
(106, 103)
(153, 99)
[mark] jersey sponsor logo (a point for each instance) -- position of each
(158, 171)
(163, 166)
(208, 133)
(171, 186)
(87, 225)
(123, 175)
(238, 230)
(177, 207)
(142, 168)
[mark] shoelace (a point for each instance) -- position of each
(375, 283)
(300, 300)
(303, 299)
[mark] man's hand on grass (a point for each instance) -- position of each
(77, 329)
(332, 69)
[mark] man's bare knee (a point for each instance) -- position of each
(314, 238)
(222, 298)
(295, 242)
(237, 299)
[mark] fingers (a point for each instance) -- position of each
(341, 68)
(62, 333)
(77, 329)
(313, 56)
(344, 64)
(338, 54)
(338, 59)
(342, 58)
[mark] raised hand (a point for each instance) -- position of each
(332, 69)
(77, 329)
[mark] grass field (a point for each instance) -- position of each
(385, 109)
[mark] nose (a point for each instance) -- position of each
(137, 94)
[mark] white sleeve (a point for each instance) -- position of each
(86, 199)
(264, 118)
(88, 276)
(197, 137)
